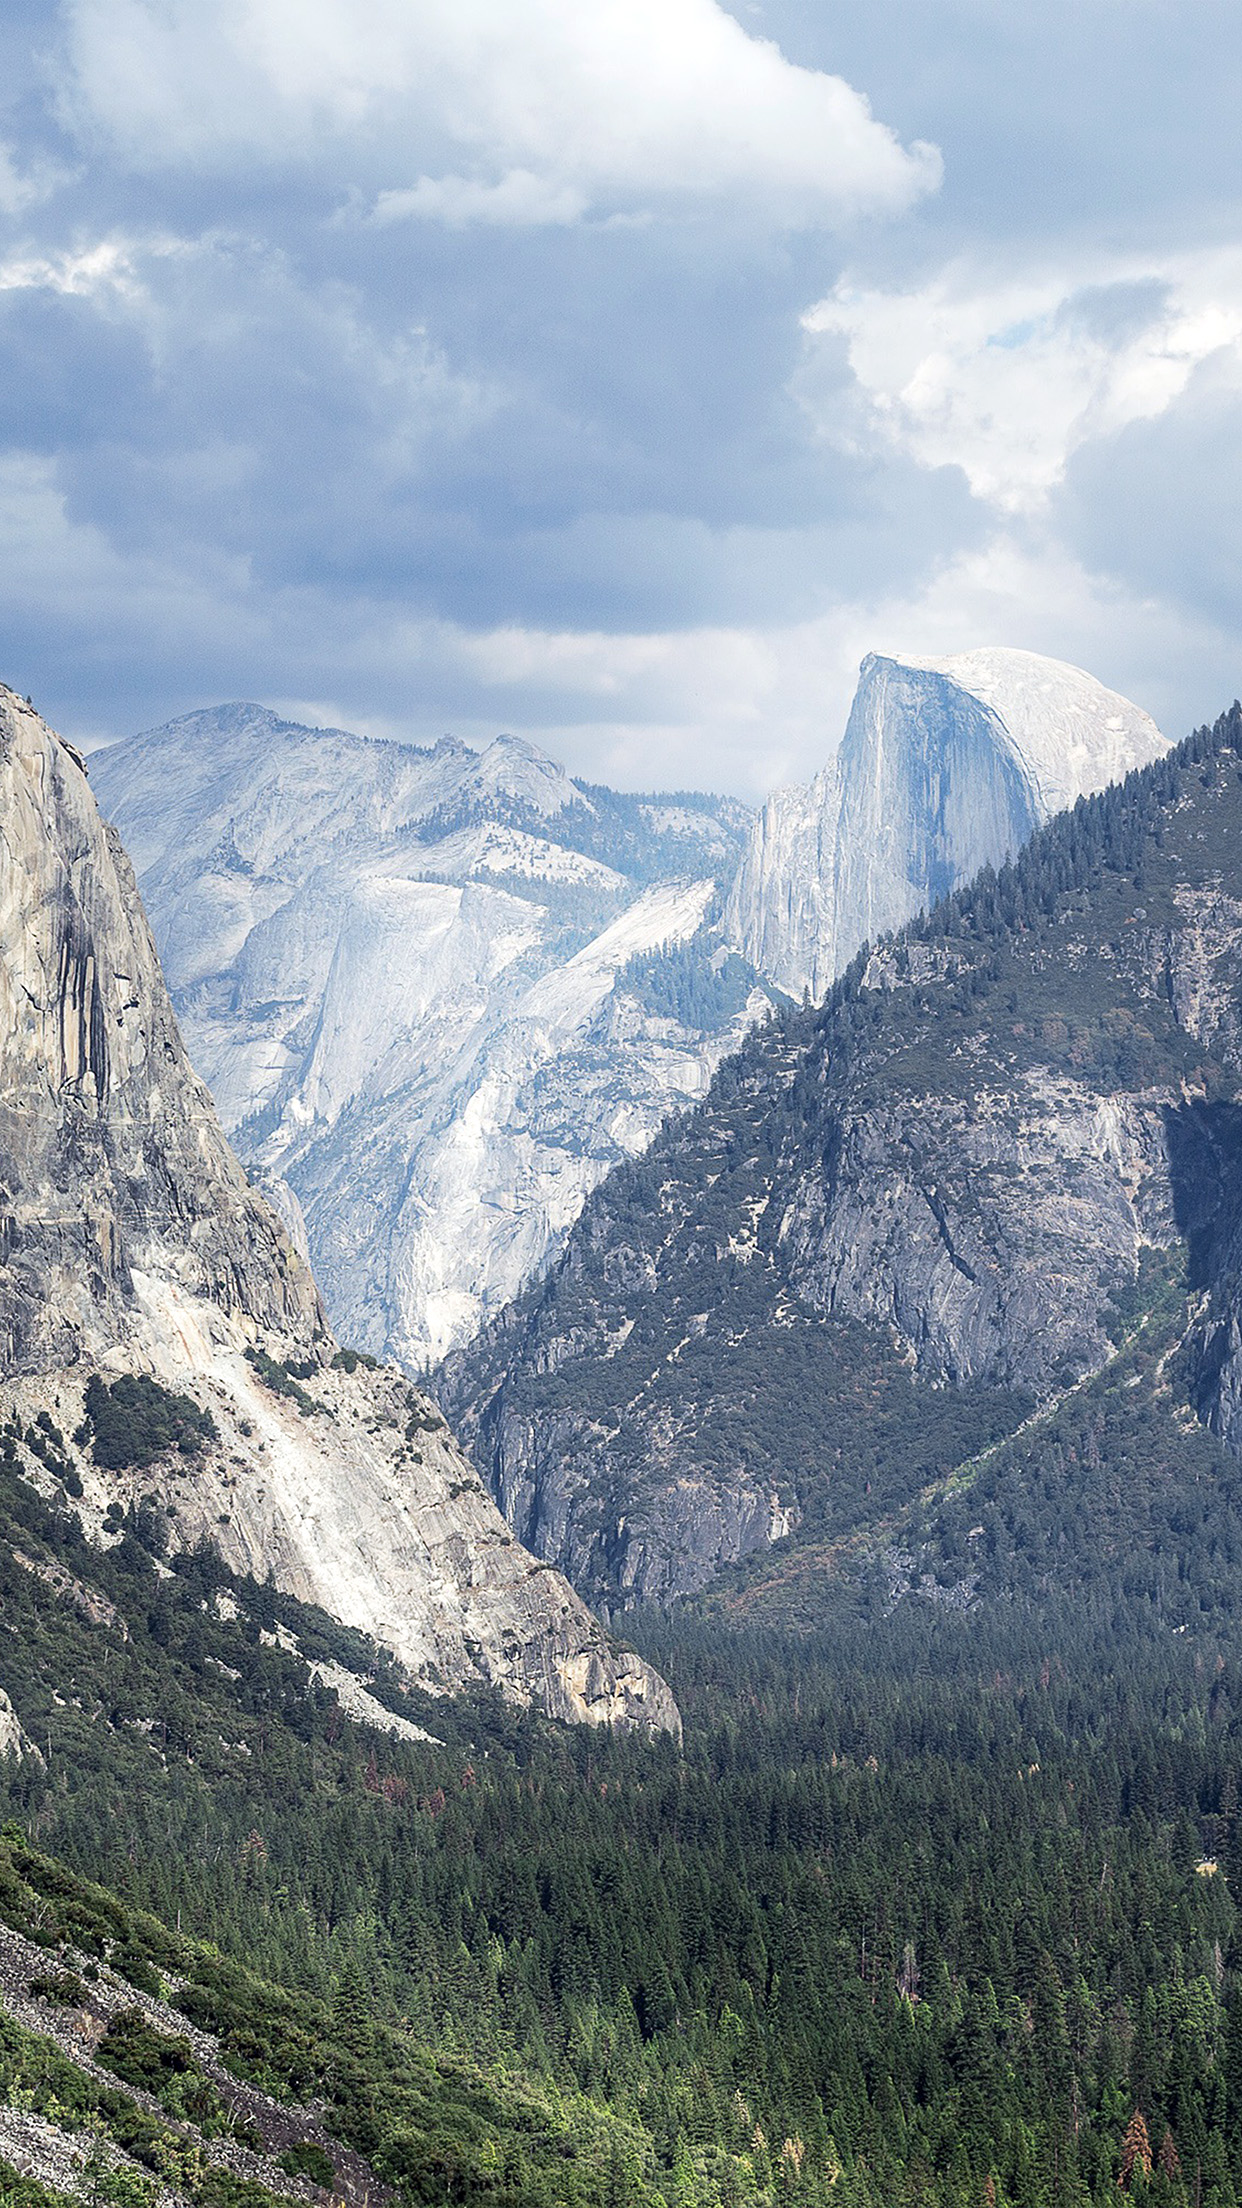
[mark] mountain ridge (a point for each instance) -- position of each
(380, 954)
(363, 943)
(907, 1214)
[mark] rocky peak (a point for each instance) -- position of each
(515, 768)
(899, 1226)
(1068, 733)
(410, 981)
(133, 1244)
(111, 1158)
(946, 765)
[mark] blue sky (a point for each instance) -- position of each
(614, 371)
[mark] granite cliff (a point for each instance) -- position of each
(900, 1225)
(132, 1244)
(946, 765)
(436, 995)
(415, 984)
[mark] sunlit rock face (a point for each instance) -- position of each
(408, 977)
(946, 765)
(131, 1242)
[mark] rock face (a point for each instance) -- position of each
(896, 1226)
(15, 1741)
(132, 1243)
(947, 765)
(409, 978)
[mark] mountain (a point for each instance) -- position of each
(436, 994)
(153, 1308)
(946, 765)
(900, 1228)
(935, 1902)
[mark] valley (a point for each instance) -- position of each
(884, 1402)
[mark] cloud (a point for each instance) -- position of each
(748, 708)
(89, 272)
(1006, 379)
(440, 364)
(520, 200)
(1159, 504)
(725, 706)
(23, 188)
(483, 111)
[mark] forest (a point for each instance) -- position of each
(938, 1895)
(938, 1900)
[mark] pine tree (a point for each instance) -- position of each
(353, 2008)
(1135, 2151)
(1168, 2161)
(1231, 2051)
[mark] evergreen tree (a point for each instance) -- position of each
(1135, 2153)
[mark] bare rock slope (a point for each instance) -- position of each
(408, 977)
(131, 1242)
(437, 994)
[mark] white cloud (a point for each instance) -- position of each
(483, 110)
(1007, 378)
(88, 273)
(520, 200)
(22, 188)
(747, 709)
(726, 707)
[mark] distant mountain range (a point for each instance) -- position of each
(914, 1348)
(427, 990)
(438, 994)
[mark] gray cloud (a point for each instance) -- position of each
(547, 443)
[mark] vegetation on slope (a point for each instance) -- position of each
(943, 1888)
(940, 1904)
(677, 1335)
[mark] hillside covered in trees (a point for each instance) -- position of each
(940, 1891)
(936, 1904)
(899, 1226)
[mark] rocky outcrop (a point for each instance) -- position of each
(946, 766)
(978, 1239)
(408, 978)
(132, 1242)
(111, 1158)
(15, 1742)
(934, 1197)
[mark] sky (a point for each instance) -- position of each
(614, 372)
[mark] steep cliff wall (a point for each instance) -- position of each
(946, 766)
(132, 1243)
(409, 977)
(897, 1226)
